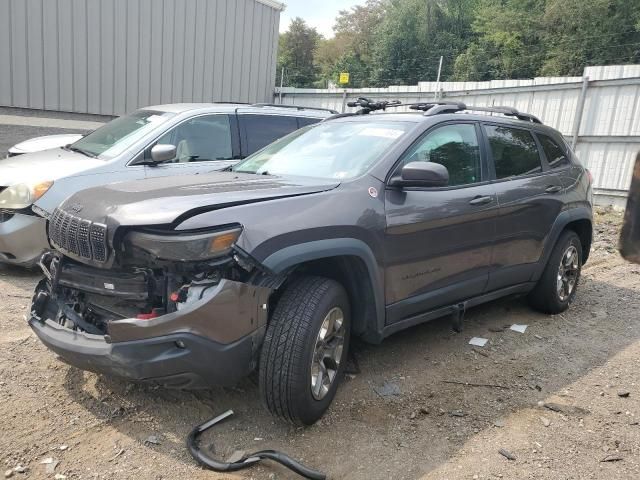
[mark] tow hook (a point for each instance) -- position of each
(247, 460)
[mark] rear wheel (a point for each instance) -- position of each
(557, 286)
(305, 349)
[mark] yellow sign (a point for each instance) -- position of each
(344, 78)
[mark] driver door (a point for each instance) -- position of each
(204, 144)
(439, 240)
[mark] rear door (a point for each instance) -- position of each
(438, 241)
(259, 130)
(530, 197)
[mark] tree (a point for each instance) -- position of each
(296, 52)
(508, 41)
(350, 50)
(415, 33)
(384, 42)
(589, 32)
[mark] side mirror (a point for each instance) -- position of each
(422, 174)
(162, 153)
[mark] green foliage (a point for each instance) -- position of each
(386, 42)
(296, 54)
(351, 49)
(589, 32)
(507, 41)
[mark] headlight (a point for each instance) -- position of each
(186, 247)
(23, 195)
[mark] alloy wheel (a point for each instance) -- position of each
(568, 273)
(327, 353)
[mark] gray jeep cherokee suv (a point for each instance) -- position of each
(362, 225)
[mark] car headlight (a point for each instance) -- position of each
(187, 247)
(23, 195)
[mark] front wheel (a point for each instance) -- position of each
(557, 286)
(304, 350)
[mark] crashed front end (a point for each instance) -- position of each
(182, 309)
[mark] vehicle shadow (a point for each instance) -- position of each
(368, 434)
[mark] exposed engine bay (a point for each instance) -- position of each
(87, 299)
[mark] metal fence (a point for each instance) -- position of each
(599, 113)
(113, 56)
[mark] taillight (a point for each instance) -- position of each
(589, 176)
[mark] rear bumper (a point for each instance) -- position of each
(180, 360)
(23, 238)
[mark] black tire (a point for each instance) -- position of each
(546, 297)
(289, 345)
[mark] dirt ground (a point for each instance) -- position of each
(580, 362)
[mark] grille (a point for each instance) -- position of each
(79, 237)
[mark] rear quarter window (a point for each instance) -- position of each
(515, 152)
(556, 155)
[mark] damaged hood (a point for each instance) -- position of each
(164, 200)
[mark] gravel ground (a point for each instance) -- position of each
(579, 362)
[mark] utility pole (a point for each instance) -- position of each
(435, 96)
(281, 84)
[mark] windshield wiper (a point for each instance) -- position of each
(83, 152)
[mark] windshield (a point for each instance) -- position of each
(118, 135)
(337, 150)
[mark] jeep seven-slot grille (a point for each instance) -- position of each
(78, 237)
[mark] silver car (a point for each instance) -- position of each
(157, 141)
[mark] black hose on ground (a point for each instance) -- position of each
(247, 460)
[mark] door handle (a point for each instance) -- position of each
(553, 189)
(481, 200)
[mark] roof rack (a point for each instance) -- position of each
(430, 108)
(367, 105)
(296, 107)
(508, 111)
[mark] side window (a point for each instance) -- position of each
(304, 121)
(556, 157)
(261, 130)
(514, 151)
(201, 139)
(454, 146)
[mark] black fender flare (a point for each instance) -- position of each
(288, 257)
(564, 219)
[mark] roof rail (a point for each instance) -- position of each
(296, 107)
(508, 111)
(443, 107)
(458, 107)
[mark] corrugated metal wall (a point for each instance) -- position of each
(609, 132)
(113, 56)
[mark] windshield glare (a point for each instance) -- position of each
(336, 150)
(118, 135)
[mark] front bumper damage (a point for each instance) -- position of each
(213, 339)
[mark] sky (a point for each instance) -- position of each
(317, 13)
